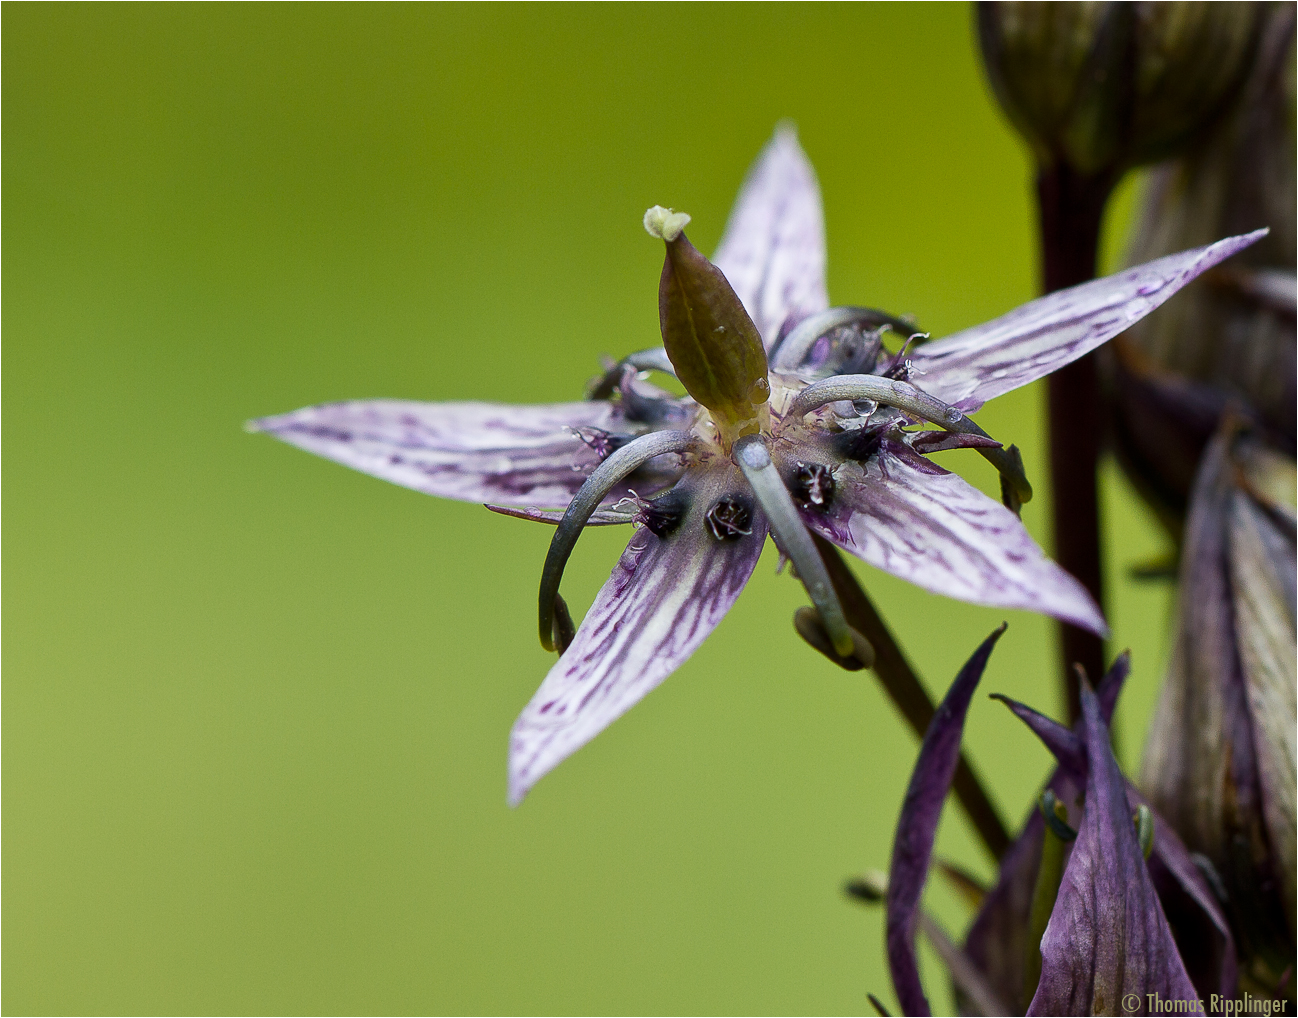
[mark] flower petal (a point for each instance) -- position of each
(908, 516)
(1108, 943)
(773, 251)
(1262, 578)
(1218, 761)
(917, 827)
(475, 452)
(665, 596)
(997, 939)
(1042, 336)
(1198, 923)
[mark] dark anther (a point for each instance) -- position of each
(604, 443)
(729, 518)
(861, 443)
(899, 367)
(664, 514)
(860, 351)
(813, 484)
(644, 409)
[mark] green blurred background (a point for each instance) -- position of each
(255, 705)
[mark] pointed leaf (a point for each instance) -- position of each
(997, 939)
(1062, 742)
(917, 827)
(1108, 943)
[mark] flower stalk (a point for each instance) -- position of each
(1071, 208)
(908, 695)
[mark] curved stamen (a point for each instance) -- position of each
(653, 359)
(795, 541)
(601, 481)
(904, 396)
(793, 349)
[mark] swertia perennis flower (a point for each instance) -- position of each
(798, 420)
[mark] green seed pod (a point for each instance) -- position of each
(712, 343)
(1102, 87)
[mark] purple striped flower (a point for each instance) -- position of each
(798, 420)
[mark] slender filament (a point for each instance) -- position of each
(601, 481)
(904, 396)
(653, 359)
(793, 349)
(795, 541)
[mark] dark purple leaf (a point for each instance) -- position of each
(1108, 944)
(997, 939)
(917, 827)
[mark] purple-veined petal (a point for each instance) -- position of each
(910, 517)
(665, 596)
(1262, 579)
(1108, 944)
(1045, 334)
(599, 518)
(917, 827)
(1210, 767)
(475, 452)
(773, 250)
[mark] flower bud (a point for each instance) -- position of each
(1233, 330)
(712, 343)
(1220, 762)
(1105, 86)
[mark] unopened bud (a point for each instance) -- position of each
(1231, 331)
(1220, 762)
(1106, 86)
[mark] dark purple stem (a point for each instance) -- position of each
(908, 694)
(1071, 208)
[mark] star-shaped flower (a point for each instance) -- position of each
(798, 420)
